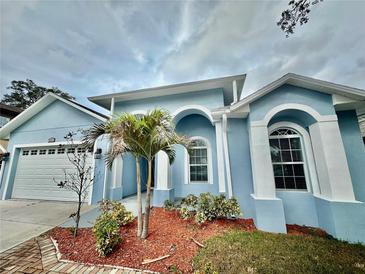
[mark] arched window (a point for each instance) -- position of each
(286, 146)
(199, 161)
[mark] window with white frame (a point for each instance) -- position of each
(287, 159)
(199, 162)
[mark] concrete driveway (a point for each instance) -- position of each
(21, 220)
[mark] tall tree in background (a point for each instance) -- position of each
(297, 13)
(24, 93)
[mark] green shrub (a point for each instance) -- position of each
(106, 232)
(185, 213)
(190, 201)
(208, 207)
(106, 228)
(200, 217)
(117, 211)
(226, 208)
(168, 205)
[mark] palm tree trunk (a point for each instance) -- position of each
(148, 202)
(139, 198)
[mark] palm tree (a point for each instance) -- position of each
(143, 136)
(160, 135)
(125, 134)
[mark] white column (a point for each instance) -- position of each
(226, 156)
(331, 162)
(112, 104)
(220, 156)
(163, 171)
(262, 171)
(117, 172)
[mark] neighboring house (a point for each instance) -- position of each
(291, 152)
(6, 114)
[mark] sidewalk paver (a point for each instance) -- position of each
(39, 255)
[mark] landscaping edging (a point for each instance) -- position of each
(51, 254)
(40, 255)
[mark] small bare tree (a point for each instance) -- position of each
(78, 179)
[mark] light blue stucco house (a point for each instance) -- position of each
(291, 152)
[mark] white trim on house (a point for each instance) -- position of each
(2, 149)
(20, 146)
(117, 172)
(318, 117)
(331, 161)
(210, 163)
(93, 171)
(226, 156)
(224, 82)
(112, 105)
(191, 109)
(310, 168)
(220, 156)
(163, 180)
(106, 171)
(38, 107)
(9, 172)
(304, 82)
(341, 103)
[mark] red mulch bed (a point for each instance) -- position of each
(169, 234)
(306, 230)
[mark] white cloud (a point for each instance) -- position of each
(88, 48)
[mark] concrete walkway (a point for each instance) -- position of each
(21, 220)
(88, 218)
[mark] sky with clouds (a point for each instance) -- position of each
(94, 47)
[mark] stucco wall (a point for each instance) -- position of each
(343, 220)
(209, 98)
(194, 125)
(285, 94)
(299, 207)
(240, 160)
(56, 120)
(355, 150)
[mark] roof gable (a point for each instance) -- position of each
(304, 82)
(39, 106)
(231, 85)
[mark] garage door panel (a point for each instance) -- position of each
(45, 171)
(36, 174)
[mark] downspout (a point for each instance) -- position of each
(226, 156)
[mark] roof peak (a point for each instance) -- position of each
(222, 82)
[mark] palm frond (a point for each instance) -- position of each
(90, 135)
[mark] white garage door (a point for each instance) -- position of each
(37, 170)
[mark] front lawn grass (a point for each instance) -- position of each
(260, 252)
